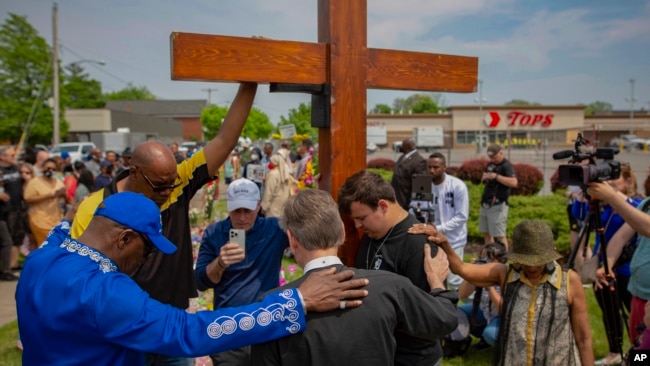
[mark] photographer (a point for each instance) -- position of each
(498, 178)
(625, 186)
(483, 311)
(636, 221)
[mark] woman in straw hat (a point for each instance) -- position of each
(544, 313)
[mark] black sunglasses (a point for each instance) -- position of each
(158, 188)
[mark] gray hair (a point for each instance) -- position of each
(313, 218)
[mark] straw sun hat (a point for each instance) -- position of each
(532, 244)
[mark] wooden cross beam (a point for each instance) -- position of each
(341, 60)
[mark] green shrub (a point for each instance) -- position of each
(529, 180)
(387, 175)
(472, 170)
(381, 163)
(549, 208)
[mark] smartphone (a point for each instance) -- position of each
(238, 236)
(421, 187)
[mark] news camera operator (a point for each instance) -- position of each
(625, 187)
(637, 221)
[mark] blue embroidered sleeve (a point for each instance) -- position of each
(58, 233)
(134, 320)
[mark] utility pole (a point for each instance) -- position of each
(209, 90)
(481, 118)
(56, 137)
(631, 100)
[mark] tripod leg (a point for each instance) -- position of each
(582, 242)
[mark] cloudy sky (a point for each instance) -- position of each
(551, 52)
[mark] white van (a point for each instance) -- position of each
(76, 150)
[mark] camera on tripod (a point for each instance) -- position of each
(595, 171)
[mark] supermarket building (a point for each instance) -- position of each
(516, 125)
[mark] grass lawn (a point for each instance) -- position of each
(9, 354)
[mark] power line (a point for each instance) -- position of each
(97, 67)
(115, 60)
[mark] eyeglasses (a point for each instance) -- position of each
(160, 187)
(149, 249)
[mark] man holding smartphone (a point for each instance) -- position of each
(240, 257)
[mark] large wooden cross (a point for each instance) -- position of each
(340, 66)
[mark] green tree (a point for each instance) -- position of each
(520, 102)
(598, 107)
(26, 79)
(419, 103)
(81, 91)
(381, 109)
(258, 124)
(131, 92)
(301, 118)
(212, 119)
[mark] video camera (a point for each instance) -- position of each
(595, 171)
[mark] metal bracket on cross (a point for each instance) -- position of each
(320, 100)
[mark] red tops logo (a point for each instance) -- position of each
(523, 119)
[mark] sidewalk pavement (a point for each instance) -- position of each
(7, 302)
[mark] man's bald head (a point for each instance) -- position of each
(150, 152)
(408, 145)
(153, 166)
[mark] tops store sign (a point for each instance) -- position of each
(519, 118)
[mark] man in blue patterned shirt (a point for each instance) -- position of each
(77, 305)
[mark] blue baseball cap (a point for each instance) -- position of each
(65, 155)
(139, 213)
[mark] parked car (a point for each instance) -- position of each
(76, 150)
(397, 146)
(629, 141)
(186, 145)
(371, 147)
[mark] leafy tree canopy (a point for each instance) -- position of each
(520, 102)
(419, 103)
(80, 90)
(26, 79)
(212, 119)
(598, 107)
(381, 109)
(301, 118)
(258, 125)
(131, 92)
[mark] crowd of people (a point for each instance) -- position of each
(110, 267)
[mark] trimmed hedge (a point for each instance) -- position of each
(381, 163)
